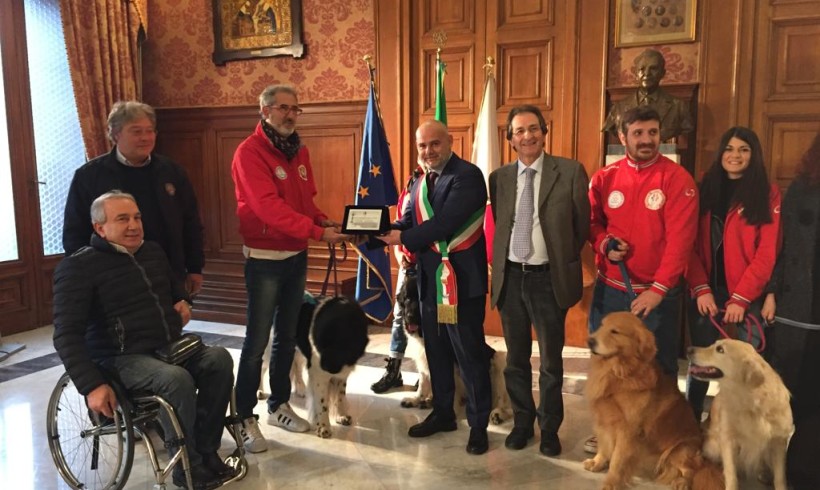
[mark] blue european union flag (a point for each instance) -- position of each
(374, 285)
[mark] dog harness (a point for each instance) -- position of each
(464, 238)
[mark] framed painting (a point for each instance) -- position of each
(245, 29)
(645, 22)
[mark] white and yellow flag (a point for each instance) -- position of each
(485, 150)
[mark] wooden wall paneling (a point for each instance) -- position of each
(393, 61)
(587, 140)
(726, 73)
(786, 90)
(204, 140)
(790, 140)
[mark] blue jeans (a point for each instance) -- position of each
(662, 321)
(199, 390)
(275, 293)
(398, 338)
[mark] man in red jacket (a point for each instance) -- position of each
(645, 215)
(274, 193)
(647, 204)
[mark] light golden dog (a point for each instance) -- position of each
(750, 421)
(643, 424)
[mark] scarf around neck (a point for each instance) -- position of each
(289, 145)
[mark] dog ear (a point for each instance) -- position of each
(647, 349)
(752, 374)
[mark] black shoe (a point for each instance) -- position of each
(518, 438)
(391, 377)
(550, 444)
(478, 442)
(431, 425)
(202, 477)
(216, 465)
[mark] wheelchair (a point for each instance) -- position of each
(92, 451)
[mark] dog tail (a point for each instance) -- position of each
(708, 476)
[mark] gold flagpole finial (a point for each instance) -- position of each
(489, 66)
(440, 38)
(370, 68)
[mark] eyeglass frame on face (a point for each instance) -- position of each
(533, 129)
(287, 109)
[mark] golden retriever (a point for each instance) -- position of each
(643, 424)
(750, 421)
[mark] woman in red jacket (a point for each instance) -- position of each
(737, 245)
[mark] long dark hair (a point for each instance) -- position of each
(810, 163)
(752, 191)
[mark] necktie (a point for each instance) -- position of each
(522, 230)
(431, 182)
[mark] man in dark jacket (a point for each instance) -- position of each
(117, 301)
(161, 187)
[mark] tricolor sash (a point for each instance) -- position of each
(464, 238)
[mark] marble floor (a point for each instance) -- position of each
(373, 453)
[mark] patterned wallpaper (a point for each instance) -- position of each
(178, 70)
(682, 61)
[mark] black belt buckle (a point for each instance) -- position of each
(529, 267)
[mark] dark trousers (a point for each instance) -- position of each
(527, 300)
(463, 344)
(199, 390)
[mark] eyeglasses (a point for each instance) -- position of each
(284, 109)
(534, 130)
(141, 132)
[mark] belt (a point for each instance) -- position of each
(528, 267)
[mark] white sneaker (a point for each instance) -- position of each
(285, 418)
(252, 436)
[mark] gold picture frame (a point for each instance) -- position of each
(647, 22)
(245, 29)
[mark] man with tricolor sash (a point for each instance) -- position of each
(443, 226)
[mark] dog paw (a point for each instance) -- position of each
(261, 395)
(344, 419)
(496, 418)
(592, 465)
(681, 483)
(426, 403)
(323, 431)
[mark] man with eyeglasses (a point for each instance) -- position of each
(541, 213)
(161, 187)
(275, 189)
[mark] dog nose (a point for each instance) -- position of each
(591, 343)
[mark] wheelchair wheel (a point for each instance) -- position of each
(91, 451)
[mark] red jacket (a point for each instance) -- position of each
(654, 208)
(749, 254)
(274, 196)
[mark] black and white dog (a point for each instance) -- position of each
(408, 299)
(331, 336)
(333, 341)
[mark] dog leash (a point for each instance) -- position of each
(750, 321)
(331, 266)
(611, 245)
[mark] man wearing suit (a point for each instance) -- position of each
(443, 227)
(541, 213)
(650, 67)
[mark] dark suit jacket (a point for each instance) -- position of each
(459, 192)
(675, 117)
(563, 210)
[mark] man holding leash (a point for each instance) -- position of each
(443, 226)
(274, 186)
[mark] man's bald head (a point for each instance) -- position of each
(434, 144)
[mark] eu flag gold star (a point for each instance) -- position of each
(363, 192)
(375, 170)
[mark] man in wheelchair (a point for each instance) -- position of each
(115, 303)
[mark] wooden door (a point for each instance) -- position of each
(533, 45)
(785, 105)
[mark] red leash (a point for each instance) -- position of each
(751, 321)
